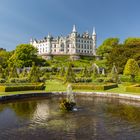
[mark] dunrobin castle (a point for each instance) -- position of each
(74, 45)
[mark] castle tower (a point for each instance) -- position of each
(94, 37)
(48, 57)
(49, 43)
(74, 29)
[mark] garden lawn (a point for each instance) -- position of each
(55, 85)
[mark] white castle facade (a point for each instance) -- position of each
(73, 45)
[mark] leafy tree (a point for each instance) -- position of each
(34, 74)
(4, 56)
(1, 72)
(132, 42)
(120, 54)
(24, 55)
(107, 46)
(70, 76)
(131, 68)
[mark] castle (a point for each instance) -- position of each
(74, 45)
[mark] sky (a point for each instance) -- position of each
(21, 20)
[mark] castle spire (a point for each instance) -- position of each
(74, 29)
(94, 31)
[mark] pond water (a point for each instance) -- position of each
(96, 119)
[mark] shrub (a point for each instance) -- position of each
(108, 80)
(18, 80)
(2, 80)
(133, 88)
(34, 74)
(125, 78)
(78, 80)
(93, 86)
(137, 78)
(42, 79)
(100, 80)
(9, 88)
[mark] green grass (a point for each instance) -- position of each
(55, 85)
(59, 86)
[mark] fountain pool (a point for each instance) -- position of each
(96, 119)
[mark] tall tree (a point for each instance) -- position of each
(132, 42)
(131, 68)
(24, 55)
(4, 56)
(107, 46)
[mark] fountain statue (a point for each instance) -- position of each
(68, 104)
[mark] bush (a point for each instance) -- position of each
(42, 79)
(137, 79)
(78, 80)
(100, 80)
(2, 80)
(125, 78)
(9, 88)
(93, 86)
(18, 80)
(108, 80)
(134, 88)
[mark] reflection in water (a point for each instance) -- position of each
(126, 112)
(97, 118)
(24, 109)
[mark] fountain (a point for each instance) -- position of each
(68, 103)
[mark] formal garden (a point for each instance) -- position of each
(114, 69)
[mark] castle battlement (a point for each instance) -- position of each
(74, 44)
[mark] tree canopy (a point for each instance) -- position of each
(24, 55)
(107, 46)
(132, 42)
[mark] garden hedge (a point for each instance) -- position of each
(93, 86)
(9, 88)
(133, 88)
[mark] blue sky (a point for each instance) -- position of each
(22, 19)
